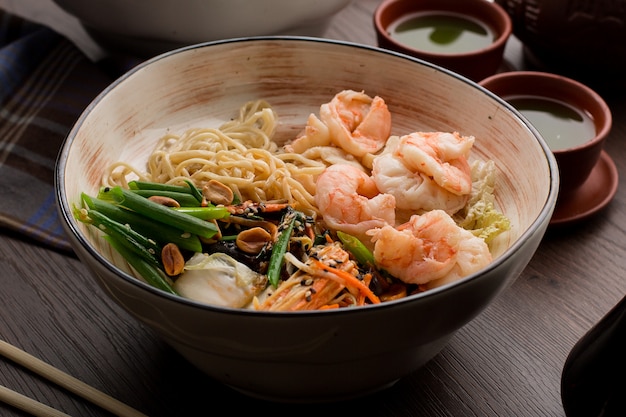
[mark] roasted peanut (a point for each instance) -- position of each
(253, 240)
(217, 193)
(173, 261)
(164, 201)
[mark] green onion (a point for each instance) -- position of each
(153, 276)
(184, 199)
(133, 241)
(157, 212)
(277, 259)
(156, 231)
(194, 191)
(157, 186)
(205, 213)
(356, 248)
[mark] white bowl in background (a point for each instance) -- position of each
(146, 28)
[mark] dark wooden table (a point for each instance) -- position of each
(506, 362)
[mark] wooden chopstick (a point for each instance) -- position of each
(27, 404)
(64, 380)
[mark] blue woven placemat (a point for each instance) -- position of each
(45, 83)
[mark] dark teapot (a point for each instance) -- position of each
(583, 39)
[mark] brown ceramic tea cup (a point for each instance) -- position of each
(467, 37)
(572, 118)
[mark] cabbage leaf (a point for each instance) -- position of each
(480, 215)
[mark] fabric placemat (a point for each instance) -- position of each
(45, 84)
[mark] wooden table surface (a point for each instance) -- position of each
(506, 362)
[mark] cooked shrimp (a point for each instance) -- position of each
(441, 156)
(357, 123)
(349, 201)
(315, 134)
(428, 248)
(414, 191)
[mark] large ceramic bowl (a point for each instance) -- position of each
(146, 28)
(321, 355)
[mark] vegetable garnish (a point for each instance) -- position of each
(194, 191)
(184, 199)
(144, 225)
(205, 213)
(138, 244)
(158, 212)
(153, 276)
(348, 280)
(157, 186)
(277, 259)
(353, 245)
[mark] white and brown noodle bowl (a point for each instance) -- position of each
(365, 348)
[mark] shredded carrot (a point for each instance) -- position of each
(367, 278)
(325, 290)
(349, 280)
(309, 231)
(329, 307)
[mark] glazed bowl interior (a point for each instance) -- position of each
(204, 86)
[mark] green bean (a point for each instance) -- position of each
(194, 191)
(205, 213)
(184, 199)
(133, 241)
(277, 259)
(356, 248)
(157, 212)
(152, 275)
(156, 231)
(146, 185)
(157, 186)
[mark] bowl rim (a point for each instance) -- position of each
(77, 236)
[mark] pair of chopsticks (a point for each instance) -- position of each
(62, 379)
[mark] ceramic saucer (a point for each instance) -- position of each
(592, 196)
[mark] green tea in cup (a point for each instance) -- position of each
(561, 125)
(444, 33)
